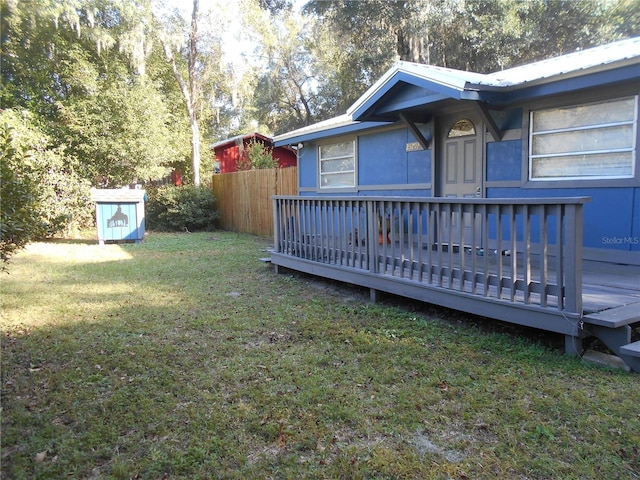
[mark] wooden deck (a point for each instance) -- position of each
(449, 252)
(606, 286)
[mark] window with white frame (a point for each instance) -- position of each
(337, 165)
(594, 141)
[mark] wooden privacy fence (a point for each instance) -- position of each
(244, 198)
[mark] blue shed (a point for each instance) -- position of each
(119, 214)
(513, 195)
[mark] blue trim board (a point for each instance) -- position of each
(429, 85)
(330, 132)
(599, 80)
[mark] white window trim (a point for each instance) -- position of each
(352, 171)
(631, 149)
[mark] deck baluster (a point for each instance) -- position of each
(559, 257)
(544, 256)
(513, 258)
(526, 254)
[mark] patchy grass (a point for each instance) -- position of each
(185, 357)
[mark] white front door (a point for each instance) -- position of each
(460, 172)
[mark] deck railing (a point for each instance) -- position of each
(526, 251)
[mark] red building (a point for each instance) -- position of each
(231, 151)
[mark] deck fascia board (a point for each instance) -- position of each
(550, 319)
(615, 317)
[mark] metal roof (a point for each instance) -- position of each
(246, 136)
(466, 85)
(599, 58)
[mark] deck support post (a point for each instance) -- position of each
(613, 338)
(573, 345)
(373, 295)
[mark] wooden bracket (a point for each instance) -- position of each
(424, 143)
(488, 121)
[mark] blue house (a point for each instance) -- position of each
(514, 195)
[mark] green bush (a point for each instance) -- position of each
(60, 199)
(40, 193)
(185, 208)
(256, 156)
(18, 214)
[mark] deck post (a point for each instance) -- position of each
(573, 258)
(573, 345)
(276, 225)
(372, 238)
(373, 295)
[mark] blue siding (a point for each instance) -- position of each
(609, 218)
(382, 158)
(419, 166)
(405, 92)
(308, 166)
(635, 220)
(118, 221)
(418, 192)
(504, 160)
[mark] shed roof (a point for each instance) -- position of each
(438, 84)
(246, 136)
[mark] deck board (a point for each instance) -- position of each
(606, 286)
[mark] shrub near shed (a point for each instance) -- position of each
(185, 208)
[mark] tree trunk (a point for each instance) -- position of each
(190, 91)
(193, 90)
(195, 150)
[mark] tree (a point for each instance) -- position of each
(255, 156)
(207, 84)
(60, 62)
(124, 130)
(41, 192)
(286, 91)
(361, 39)
(190, 87)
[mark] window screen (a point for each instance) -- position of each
(337, 165)
(584, 141)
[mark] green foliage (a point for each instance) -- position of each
(18, 216)
(256, 156)
(60, 62)
(42, 194)
(186, 208)
(124, 129)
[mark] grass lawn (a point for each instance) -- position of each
(185, 357)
